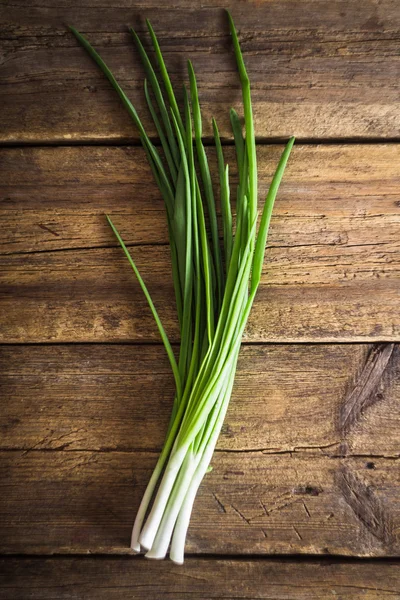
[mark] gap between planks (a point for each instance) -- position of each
(207, 141)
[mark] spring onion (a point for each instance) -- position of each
(215, 275)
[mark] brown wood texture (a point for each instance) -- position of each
(307, 462)
(301, 468)
(340, 400)
(331, 269)
(250, 503)
(88, 578)
(318, 69)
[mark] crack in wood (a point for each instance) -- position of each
(297, 533)
(306, 509)
(265, 511)
(366, 506)
(288, 500)
(45, 228)
(45, 439)
(273, 451)
(240, 514)
(64, 445)
(221, 507)
(363, 395)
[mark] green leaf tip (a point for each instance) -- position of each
(164, 337)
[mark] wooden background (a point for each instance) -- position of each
(307, 467)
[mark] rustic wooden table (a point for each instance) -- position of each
(307, 465)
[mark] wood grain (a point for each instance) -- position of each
(290, 475)
(88, 578)
(344, 196)
(251, 503)
(286, 399)
(334, 75)
(307, 462)
(331, 271)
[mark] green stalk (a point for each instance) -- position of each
(172, 239)
(196, 251)
(161, 329)
(224, 194)
(160, 103)
(165, 78)
(188, 275)
(161, 135)
(239, 141)
(209, 299)
(207, 184)
(248, 119)
(132, 111)
(266, 215)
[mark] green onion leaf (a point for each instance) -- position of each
(212, 305)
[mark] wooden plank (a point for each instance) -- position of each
(91, 296)
(340, 400)
(336, 195)
(301, 468)
(331, 272)
(97, 578)
(251, 503)
(334, 75)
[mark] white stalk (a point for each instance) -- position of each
(182, 484)
(170, 440)
(177, 549)
(150, 528)
(135, 545)
(162, 540)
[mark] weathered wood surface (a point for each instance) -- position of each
(331, 195)
(300, 468)
(340, 400)
(251, 503)
(310, 464)
(331, 270)
(318, 70)
(88, 578)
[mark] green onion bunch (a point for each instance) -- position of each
(216, 273)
